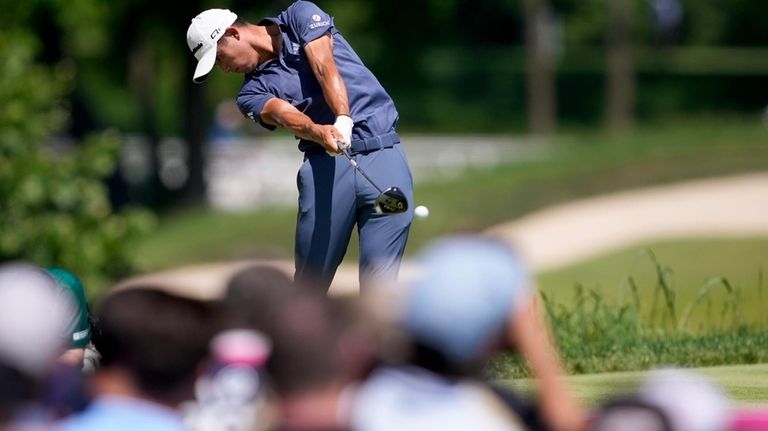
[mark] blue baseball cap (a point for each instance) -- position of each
(469, 289)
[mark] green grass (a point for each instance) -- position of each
(688, 303)
(629, 348)
(631, 311)
(579, 164)
(688, 266)
(743, 383)
(582, 165)
(201, 235)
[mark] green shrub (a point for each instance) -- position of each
(54, 206)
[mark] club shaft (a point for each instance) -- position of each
(360, 170)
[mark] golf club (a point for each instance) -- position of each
(390, 201)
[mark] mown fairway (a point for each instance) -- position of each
(744, 384)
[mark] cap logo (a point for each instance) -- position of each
(215, 32)
(77, 336)
(197, 48)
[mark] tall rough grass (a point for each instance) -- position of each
(596, 335)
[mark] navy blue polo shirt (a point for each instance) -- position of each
(290, 77)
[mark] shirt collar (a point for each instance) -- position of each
(270, 20)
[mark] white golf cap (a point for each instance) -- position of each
(203, 34)
(34, 316)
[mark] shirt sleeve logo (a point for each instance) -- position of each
(318, 22)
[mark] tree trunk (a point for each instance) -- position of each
(141, 78)
(196, 110)
(620, 83)
(195, 133)
(540, 66)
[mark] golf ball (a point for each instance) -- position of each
(421, 211)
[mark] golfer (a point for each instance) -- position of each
(301, 74)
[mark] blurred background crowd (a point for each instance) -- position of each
(271, 355)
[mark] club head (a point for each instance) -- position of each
(391, 201)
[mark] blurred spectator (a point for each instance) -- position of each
(472, 299)
(231, 394)
(227, 124)
(667, 19)
(630, 414)
(668, 400)
(765, 117)
(318, 353)
(251, 293)
(252, 296)
(152, 345)
(33, 317)
(691, 401)
(315, 351)
(79, 327)
(749, 418)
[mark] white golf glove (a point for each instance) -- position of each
(344, 125)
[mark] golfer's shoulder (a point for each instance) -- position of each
(301, 6)
(302, 10)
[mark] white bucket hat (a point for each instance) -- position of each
(202, 36)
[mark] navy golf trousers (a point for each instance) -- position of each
(333, 198)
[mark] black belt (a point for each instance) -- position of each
(367, 145)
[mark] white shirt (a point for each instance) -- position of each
(413, 399)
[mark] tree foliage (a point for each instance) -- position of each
(54, 205)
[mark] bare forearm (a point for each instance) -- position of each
(281, 113)
(334, 89)
(296, 121)
(531, 335)
(320, 56)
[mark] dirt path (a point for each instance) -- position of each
(564, 234)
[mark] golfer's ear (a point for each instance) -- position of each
(233, 32)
